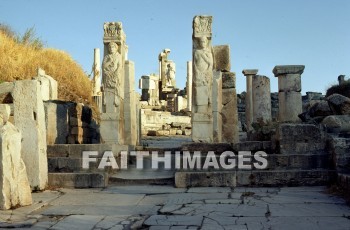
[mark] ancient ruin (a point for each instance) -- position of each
(171, 141)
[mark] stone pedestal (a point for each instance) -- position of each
(230, 132)
(29, 117)
(289, 88)
(261, 99)
(203, 60)
(110, 129)
(14, 185)
(130, 120)
(217, 107)
(249, 73)
(189, 85)
(202, 127)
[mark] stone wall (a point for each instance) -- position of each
(159, 123)
(70, 123)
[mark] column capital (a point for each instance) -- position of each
(288, 69)
(247, 72)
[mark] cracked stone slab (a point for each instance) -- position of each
(185, 198)
(77, 222)
(98, 199)
(223, 201)
(143, 189)
(154, 199)
(174, 220)
(309, 209)
(292, 223)
(111, 221)
(209, 190)
(66, 210)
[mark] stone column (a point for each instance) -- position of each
(189, 85)
(113, 73)
(130, 105)
(96, 80)
(203, 60)
(217, 107)
(261, 99)
(230, 132)
(29, 117)
(249, 73)
(289, 91)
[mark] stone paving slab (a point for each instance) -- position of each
(77, 222)
(164, 207)
(146, 189)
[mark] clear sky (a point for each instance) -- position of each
(261, 33)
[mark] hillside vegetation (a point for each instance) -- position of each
(21, 56)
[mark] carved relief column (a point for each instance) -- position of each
(289, 91)
(249, 73)
(113, 74)
(202, 118)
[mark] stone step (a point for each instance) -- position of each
(67, 164)
(275, 161)
(254, 178)
(133, 176)
(76, 150)
(78, 180)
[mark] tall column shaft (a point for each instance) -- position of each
(249, 73)
(261, 99)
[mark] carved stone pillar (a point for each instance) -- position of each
(113, 77)
(249, 73)
(261, 99)
(289, 91)
(203, 59)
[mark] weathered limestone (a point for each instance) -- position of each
(48, 86)
(96, 80)
(289, 91)
(180, 103)
(249, 73)
(57, 122)
(203, 60)
(150, 89)
(261, 99)
(130, 105)
(339, 104)
(217, 107)
(14, 185)
(230, 132)
(222, 58)
(113, 72)
(29, 117)
(189, 85)
(5, 111)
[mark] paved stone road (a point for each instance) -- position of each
(165, 207)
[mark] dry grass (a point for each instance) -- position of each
(20, 61)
